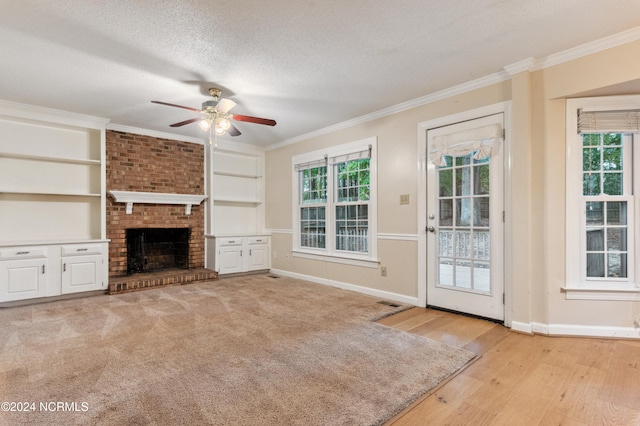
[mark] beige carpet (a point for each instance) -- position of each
(253, 350)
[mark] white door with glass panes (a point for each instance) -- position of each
(465, 217)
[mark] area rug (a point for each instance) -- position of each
(253, 350)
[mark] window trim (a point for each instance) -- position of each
(329, 253)
(576, 284)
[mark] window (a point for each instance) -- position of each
(334, 207)
(603, 176)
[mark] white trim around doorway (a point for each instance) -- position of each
(502, 107)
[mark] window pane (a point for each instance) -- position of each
(612, 184)
(481, 276)
(617, 239)
(612, 138)
(595, 239)
(463, 181)
(463, 273)
(463, 244)
(612, 159)
(463, 212)
(313, 185)
(445, 272)
(363, 211)
(312, 227)
(482, 245)
(445, 182)
(595, 265)
(591, 139)
(595, 213)
(461, 161)
(445, 242)
(481, 180)
(617, 265)
(446, 213)
(353, 178)
(617, 213)
(591, 159)
(481, 211)
(591, 184)
(352, 228)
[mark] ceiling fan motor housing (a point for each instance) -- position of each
(209, 106)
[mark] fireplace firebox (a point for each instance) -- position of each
(157, 249)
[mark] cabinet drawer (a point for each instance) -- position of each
(258, 240)
(222, 242)
(81, 249)
(23, 253)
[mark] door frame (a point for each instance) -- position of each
(423, 127)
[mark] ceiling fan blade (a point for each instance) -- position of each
(256, 120)
(177, 106)
(225, 105)
(182, 123)
(233, 131)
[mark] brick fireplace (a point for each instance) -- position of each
(145, 164)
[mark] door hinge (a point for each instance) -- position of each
(43, 269)
(503, 299)
(504, 215)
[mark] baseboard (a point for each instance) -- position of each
(576, 330)
(346, 286)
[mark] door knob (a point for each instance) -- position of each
(431, 229)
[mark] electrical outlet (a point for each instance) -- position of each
(404, 199)
(383, 271)
(274, 254)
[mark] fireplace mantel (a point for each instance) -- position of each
(130, 198)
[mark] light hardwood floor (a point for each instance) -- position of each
(525, 380)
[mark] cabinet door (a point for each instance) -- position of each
(230, 259)
(23, 279)
(258, 257)
(82, 273)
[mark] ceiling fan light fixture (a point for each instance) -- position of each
(205, 124)
(223, 123)
(219, 130)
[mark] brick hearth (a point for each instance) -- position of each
(147, 164)
(144, 281)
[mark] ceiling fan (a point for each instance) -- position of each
(215, 115)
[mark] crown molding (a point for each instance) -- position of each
(404, 106)
(590, 48)
(529, 64)
(33, 112)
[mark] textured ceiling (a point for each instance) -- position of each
(306, 64)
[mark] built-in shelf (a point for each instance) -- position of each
(49, 158)
(236, 200)
(131, 198)
(238, 175)
(55, 193)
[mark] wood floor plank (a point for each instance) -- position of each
(409, 319)
(487, 340)
(524, 379)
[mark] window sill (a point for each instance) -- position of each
(614, 294)
(367, 263)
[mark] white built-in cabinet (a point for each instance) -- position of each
(52, 203)
(242, 254)
(236, 241)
